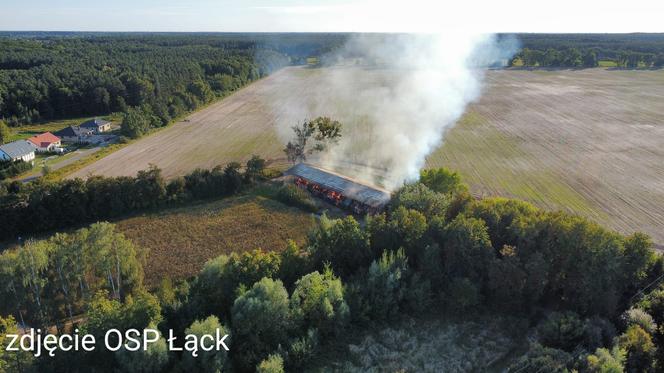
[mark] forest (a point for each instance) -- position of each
(60, 75)
(586, 50)
(46, 76)
(591, 297)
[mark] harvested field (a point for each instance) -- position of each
(589, 142)
(585, 141)
(180, 240)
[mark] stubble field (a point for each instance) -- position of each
(589, 141)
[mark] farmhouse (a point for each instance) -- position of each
(339, 190)
(74, 134)
(20, 150)
(46, 142)
(97, 125)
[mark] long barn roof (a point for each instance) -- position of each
(371, 196)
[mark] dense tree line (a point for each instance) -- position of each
(607, 46)
(61, 75)
(572, 57)
(435, 250)
(42, 206)
(45, 76)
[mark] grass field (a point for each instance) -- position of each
(586, 141)
(180, 240)
(30, 130)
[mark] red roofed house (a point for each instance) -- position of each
(46, 142)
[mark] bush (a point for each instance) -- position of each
(272, 364)
(302, 350)
(636, 316)
(564, 331)
(296, 197)
(10, 169)
(386, 290)
(464, 295)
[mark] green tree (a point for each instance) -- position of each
(342, 243)
(254, 169)
(605, 361)
(113, 259)
(389, 287)
(206, 361)
(271, 364)
(215, 288)
(150, 187)
(295, 263)
(32, 264)
(323, 130)
(135, 123)
(261, 322)
(590, 59)
(5, 133)
(639, 348)
(318, 302)
(464, 295)
(467, 250)
(12, 361)
(442, 180)
(419, 197)
(152, 360)
(564, 331)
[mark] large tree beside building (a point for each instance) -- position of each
(312, 136)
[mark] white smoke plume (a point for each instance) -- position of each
(396, 96)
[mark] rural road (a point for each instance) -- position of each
(78, 154)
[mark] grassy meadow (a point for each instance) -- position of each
(180, 240)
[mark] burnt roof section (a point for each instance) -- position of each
(368, 195)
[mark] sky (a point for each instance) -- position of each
(333, 15)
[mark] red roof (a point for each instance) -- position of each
(44, 140)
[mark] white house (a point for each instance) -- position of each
(97, 125)
(20, 150)
(46, 142)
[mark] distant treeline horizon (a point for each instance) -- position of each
(55, 75)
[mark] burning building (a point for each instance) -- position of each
(339, 190)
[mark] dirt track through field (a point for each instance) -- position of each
(588, 141)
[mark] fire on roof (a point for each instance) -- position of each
(338, 189)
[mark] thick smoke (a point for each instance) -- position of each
(396, 96)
